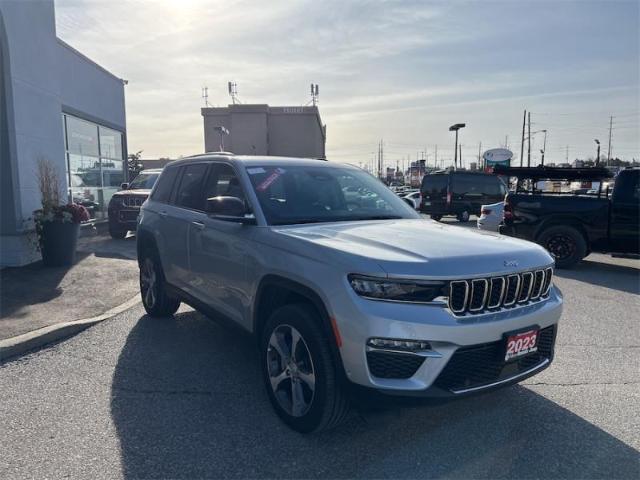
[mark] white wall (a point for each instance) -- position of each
(46, 77)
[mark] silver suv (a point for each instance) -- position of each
(343, 284)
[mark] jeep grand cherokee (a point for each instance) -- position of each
(342, 291)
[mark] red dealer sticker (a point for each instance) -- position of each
(266, 183)
(521, 344)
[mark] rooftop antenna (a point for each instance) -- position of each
(205, 96)
(233, 92)
(315, 92)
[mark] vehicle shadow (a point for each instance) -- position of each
(610, 275)
(187, 401)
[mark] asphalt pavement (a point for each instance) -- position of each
(181, 397)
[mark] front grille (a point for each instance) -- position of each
(486, 294)
(479, 365)
(393, 365)
(133, 201)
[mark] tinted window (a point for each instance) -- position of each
(163, 189)
(224, 182)
(627, 187)
(144, 181)
(189, 192)
(435, 184)
(476, 185)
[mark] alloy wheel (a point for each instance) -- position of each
(561, 246)
(291, 371)
(148, 282)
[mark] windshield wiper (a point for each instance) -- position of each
(378, 217)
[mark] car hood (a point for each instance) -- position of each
(415, 248)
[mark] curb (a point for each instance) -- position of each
(15, 346)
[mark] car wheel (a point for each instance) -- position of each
(117, 232)
(437, 218)
(463, 217)
(152, 289)
(299, 372)
(566, 244)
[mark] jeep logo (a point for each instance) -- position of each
(510, 263)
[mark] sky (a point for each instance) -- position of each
(397, 71)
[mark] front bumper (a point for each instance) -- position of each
(446, 369)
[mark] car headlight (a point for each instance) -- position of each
(418, 291)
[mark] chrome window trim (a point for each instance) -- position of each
(484, 297)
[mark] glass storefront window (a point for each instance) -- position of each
(95, 163)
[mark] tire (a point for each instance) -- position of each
(152, 288)
(437, 218)
(463, 216)
(566, 244)
(117, 232)
(321, 405)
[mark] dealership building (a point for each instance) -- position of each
(55, 104)
(263, 130)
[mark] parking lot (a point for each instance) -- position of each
(182, 397)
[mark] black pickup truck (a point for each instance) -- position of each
(572, 225)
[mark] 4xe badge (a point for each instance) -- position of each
(510, 263)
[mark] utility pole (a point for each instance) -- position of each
(529, 142)
(609, 149)
(506, 141)
(479, 150)
(461, 164)
(524, 120)
(436, 154)
(567, 158)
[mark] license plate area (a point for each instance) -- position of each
(521, 343)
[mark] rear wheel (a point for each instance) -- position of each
(117, 232)
(463, 216)
(153, 288)
(299, 372)
(437, 218)
(566, 244)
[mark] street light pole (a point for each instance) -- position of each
(455, 128)
(598, 154)
(544, 147)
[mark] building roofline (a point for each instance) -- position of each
(87, 59)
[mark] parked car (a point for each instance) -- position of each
(343, 297)
(572, 226)
(124, 205)
(412, 199)
(459, 193)
(491, 216)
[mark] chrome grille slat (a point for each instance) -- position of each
(479, 295)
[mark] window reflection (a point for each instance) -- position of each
(95, 163)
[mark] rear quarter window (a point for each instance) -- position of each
(434, 184)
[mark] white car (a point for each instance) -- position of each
(491, 216)
(413, 199)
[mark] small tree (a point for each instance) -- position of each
(134, 165)
(48, 184)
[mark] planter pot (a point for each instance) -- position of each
(59, 241)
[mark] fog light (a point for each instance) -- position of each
(404, 345)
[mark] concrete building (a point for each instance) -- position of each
(55, 104)
(265, 130)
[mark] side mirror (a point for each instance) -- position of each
(230, 209)
(124, 186)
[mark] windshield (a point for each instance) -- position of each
(308, 194)
(144, 181)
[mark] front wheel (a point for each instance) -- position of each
(437, 218)
(152, 289)
(566, 244)
(117, 232)
(463, 217)
(299, 372)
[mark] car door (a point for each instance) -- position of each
(219, 250)
(625, 213)
(178, 215)
(434, 193)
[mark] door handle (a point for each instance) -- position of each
(198, 225)
(163, 214)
